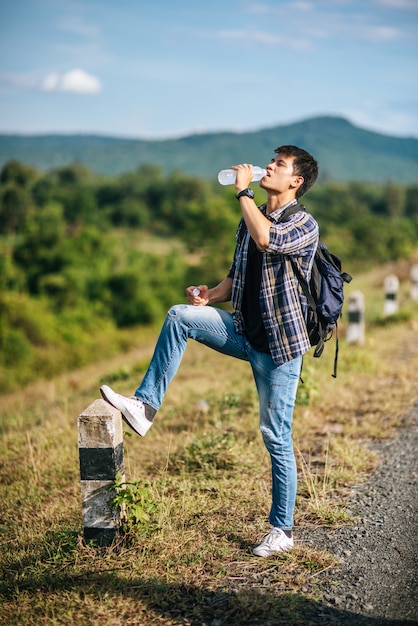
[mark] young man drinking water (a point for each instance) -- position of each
(267, 327)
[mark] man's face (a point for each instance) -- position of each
(280, 176)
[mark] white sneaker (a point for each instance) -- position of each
(276, 541)
(132, 409)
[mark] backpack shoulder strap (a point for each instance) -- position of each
(295, 208)
(303, 282)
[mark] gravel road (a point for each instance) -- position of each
(376, 582)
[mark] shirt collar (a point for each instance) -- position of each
(278, 212)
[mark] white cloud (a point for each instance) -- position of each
(73, 81)
(50, 82)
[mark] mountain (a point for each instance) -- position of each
(344, 152)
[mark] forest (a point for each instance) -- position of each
(85, 259)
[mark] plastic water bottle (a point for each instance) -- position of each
(227, 177)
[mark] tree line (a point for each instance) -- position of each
(83, 255)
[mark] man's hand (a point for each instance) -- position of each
(198, 296)
(220, 293)
(244, 176)
(257, 224)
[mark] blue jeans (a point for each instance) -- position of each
(276, 387)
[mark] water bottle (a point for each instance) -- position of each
(227, 177)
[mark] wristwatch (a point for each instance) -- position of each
(245, 192)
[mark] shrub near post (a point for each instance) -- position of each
(100, 442)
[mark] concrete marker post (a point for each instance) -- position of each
(414, 282)
(391, 286)
(356, 325)
(100, 442)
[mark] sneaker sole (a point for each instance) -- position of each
(265, 552)
(111, 397)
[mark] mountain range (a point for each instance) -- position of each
(345, 152)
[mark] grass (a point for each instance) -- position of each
(200, 482)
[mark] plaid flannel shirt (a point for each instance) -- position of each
(283, 304)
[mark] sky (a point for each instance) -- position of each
(169, 68)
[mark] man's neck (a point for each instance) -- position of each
(276, 201)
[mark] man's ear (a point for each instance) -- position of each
(298, 181)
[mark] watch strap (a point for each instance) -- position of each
(245, 192)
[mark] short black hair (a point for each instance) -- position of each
(303, 165)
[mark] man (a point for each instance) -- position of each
(267, 327)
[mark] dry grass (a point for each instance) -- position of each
(207, 473)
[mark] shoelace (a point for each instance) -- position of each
(271, 537)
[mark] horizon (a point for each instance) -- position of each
(211, 132)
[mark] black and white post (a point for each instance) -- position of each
(391, 286)
(100, 443)
(356, 325)
(414, 282)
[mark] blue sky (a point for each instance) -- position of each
(167, 68)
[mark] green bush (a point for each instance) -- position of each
(16, 349)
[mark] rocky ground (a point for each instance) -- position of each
(376, 582)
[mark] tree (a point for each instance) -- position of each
(15, 206)
(79, 205)
(74, 174)
(394, 199)
(411, 201)
(18, 173)
(40, 250)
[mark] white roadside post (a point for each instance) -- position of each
(356, 325)
(414, 282)
(391, 286)
(100, 442)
